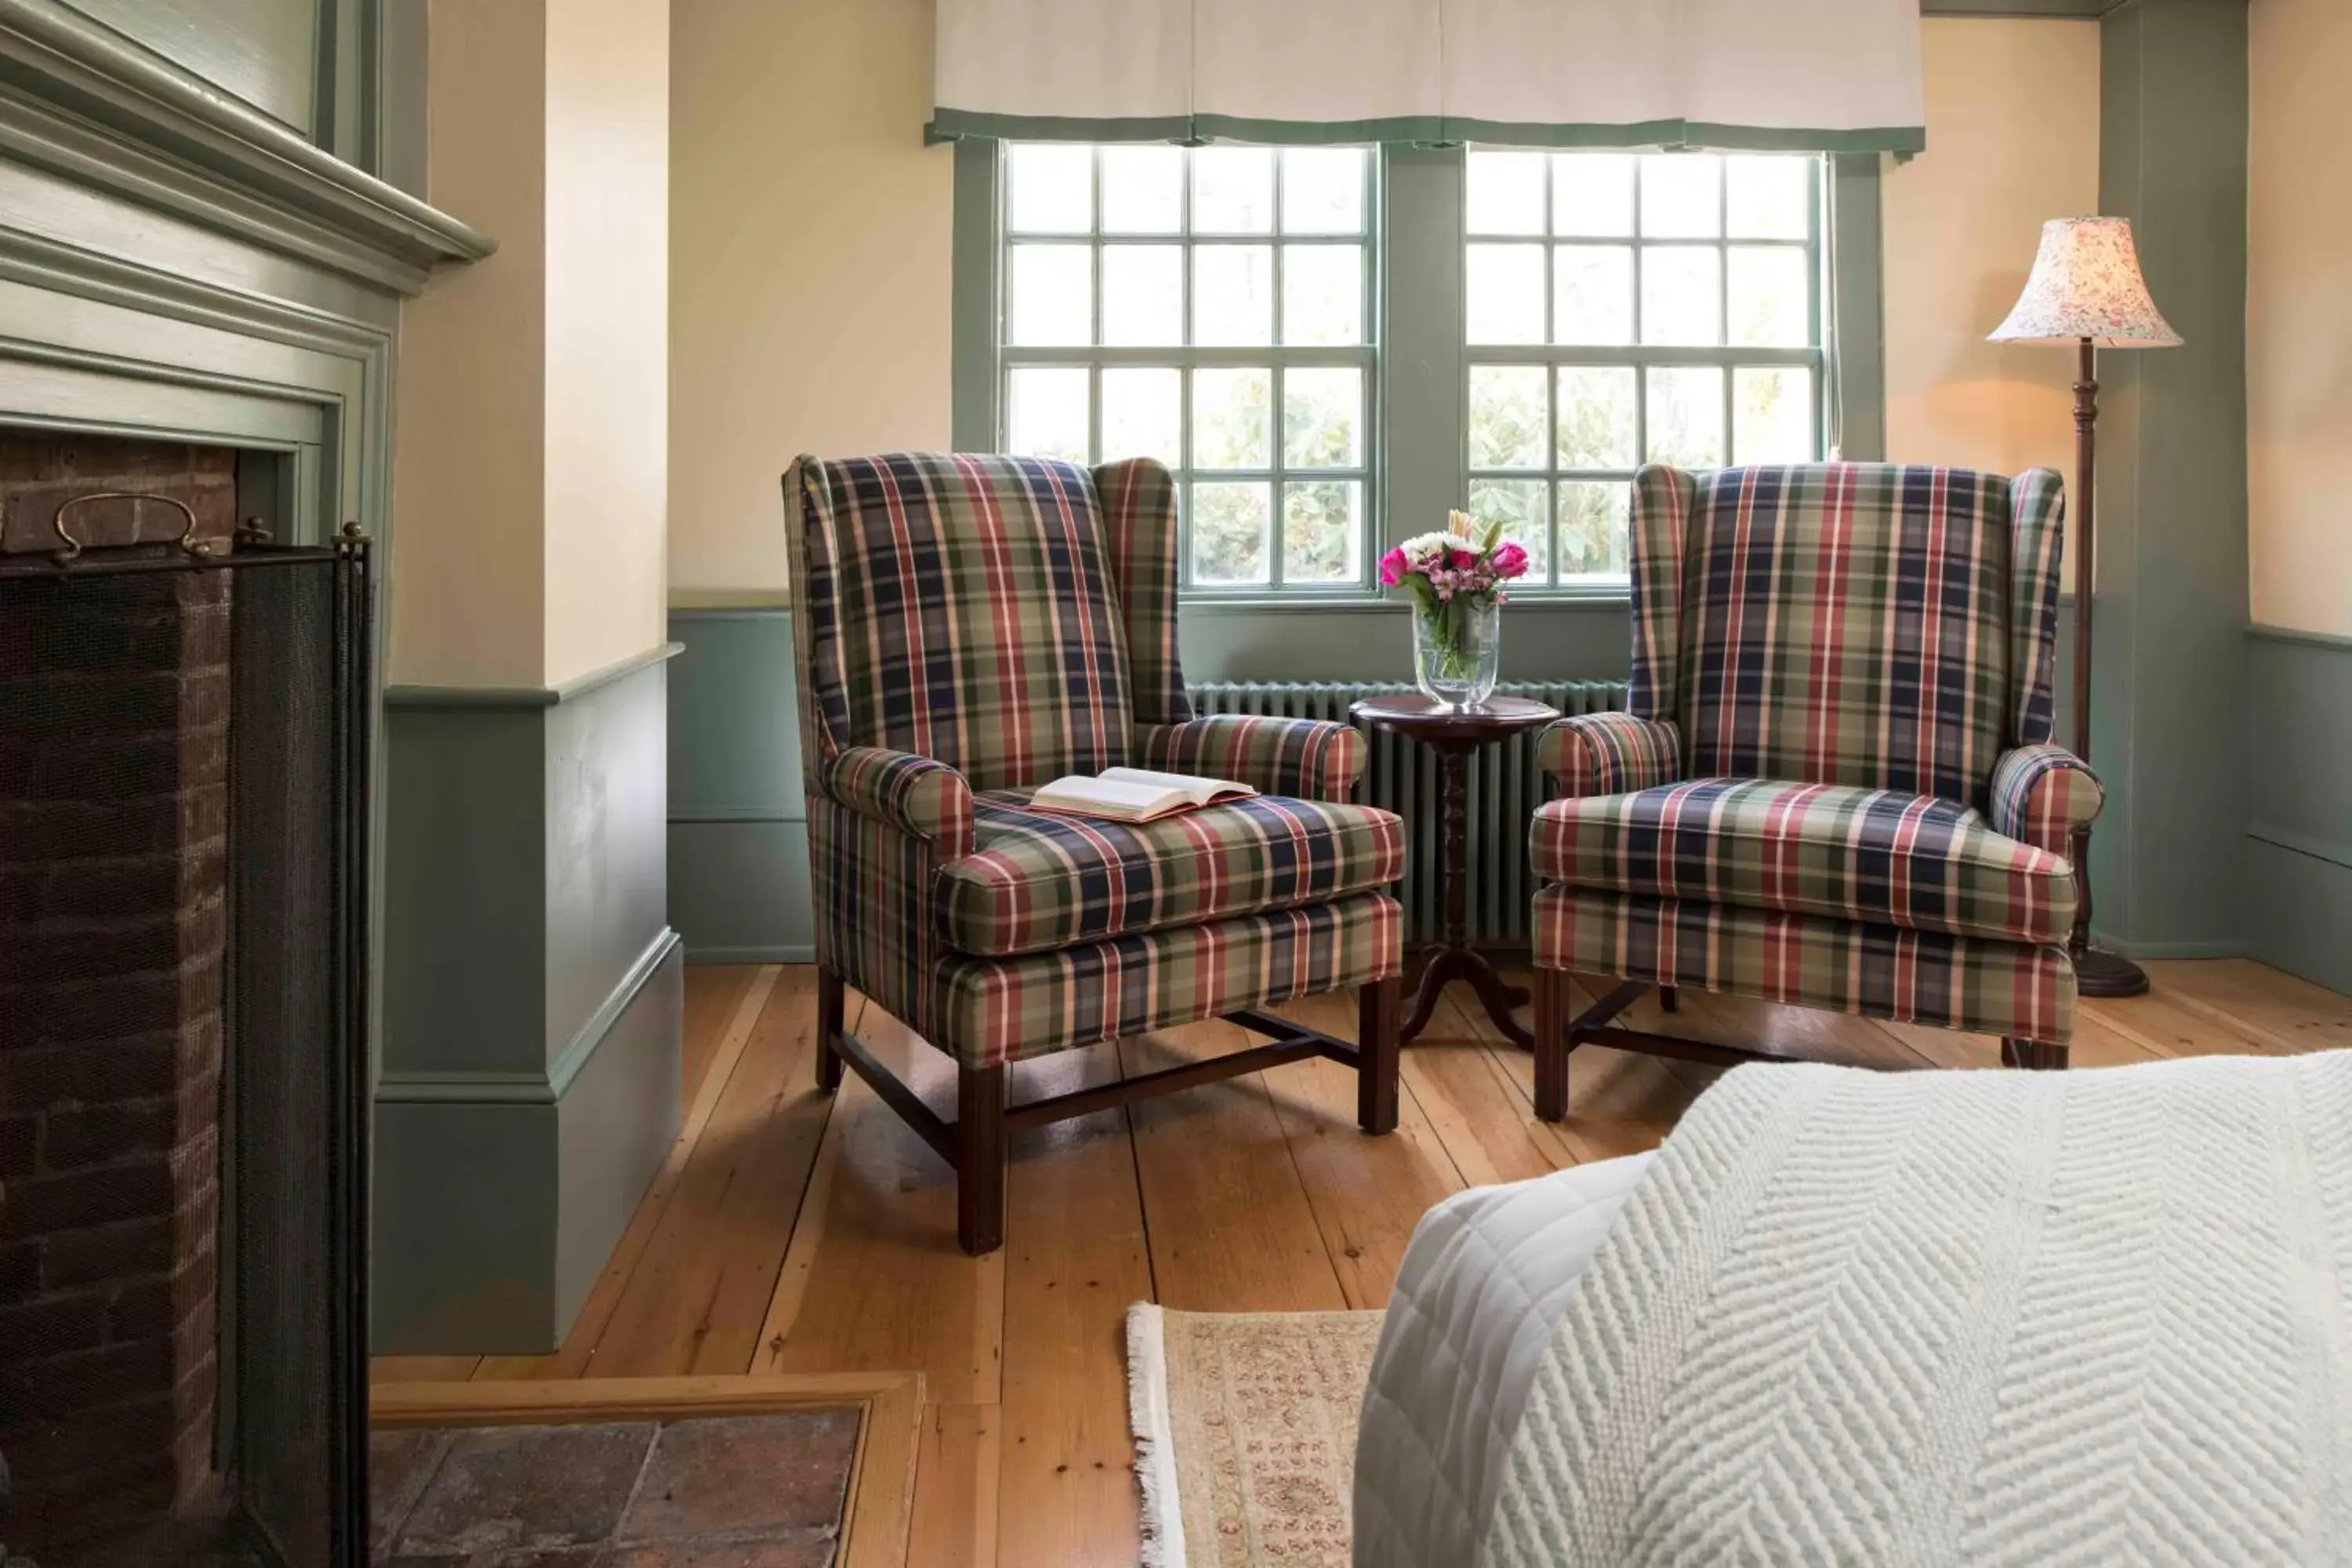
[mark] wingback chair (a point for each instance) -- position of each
(1834, 785)
(968, 628)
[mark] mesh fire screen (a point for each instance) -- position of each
(183, 1054)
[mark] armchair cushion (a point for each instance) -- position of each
(1873, 856)
(1041, 880)
(1305, 757)
(914, 795)
(1609, 754)
(2042, 794)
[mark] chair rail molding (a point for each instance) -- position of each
(84, 102)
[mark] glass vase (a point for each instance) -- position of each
(1455, 647)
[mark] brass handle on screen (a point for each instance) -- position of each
(69, 547)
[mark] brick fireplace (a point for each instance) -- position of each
(113, 922)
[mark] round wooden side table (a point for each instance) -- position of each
(1454, 735)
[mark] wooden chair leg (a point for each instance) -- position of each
(1552, 1000)
(1668, 1000)
(979, 1158)
(1377, 1042)
(2033, 1055)
(829, 1012)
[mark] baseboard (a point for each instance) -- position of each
(803, 953)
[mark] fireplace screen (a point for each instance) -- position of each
(184, 1019)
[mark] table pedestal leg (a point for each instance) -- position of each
(1454, 959)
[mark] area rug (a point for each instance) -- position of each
(1245, 1433)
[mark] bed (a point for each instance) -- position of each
(1478, 1302)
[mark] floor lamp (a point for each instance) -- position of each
(2087, 290)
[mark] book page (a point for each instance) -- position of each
(1195, 788)
(1107, 797)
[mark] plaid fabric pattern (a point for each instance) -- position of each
(1871, 856)
(1042, 879)
(1305, 757)
(1609, 754)
(1846, 624)
(2042, 794)
(914, 795)
(1138, 503)
(995, 1010)
(962, 609)
(1812, 961)
(2037, 526)
(1659, 529)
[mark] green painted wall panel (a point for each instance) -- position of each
(734, 731)
(464, 1226)
(264, 53)
(740, 891)
(2298, 852)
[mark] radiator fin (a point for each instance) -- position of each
(1505, 788)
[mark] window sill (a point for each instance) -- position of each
(1387, 603)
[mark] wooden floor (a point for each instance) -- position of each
(790, 1233)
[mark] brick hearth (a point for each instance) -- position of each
(113, 926)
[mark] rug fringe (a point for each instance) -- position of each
(1155, 1437)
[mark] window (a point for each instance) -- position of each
(1211, 307)
(1621, 309)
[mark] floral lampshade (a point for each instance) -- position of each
(2086, 284)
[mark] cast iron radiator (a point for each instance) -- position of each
(1505, 787)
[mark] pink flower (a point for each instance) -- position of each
(1463, 559)
(1392, 568)
(1510, 559)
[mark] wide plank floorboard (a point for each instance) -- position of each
(789, 1231)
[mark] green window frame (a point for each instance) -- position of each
(1416, 441)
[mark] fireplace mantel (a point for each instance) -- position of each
(83, 102)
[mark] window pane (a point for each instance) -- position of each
(1045, 412)
(1686, 416)
(1143, 414)
(1507, 416)
(1682, 295)
(1322, 528)
(1592, 514)
(1593, 194)
(1505, 293)
(1233, 294)
(1230, 524)
(1772, 415)
(1233, 418)
(1322, 416)
(1768, 199)
(1053, 188)
(1769, 307)
(1682, 195)
(1323, 190)
(1143, 190)
(1505, 193)
(1596, 418)
(1592, 294)
(1053, 289)
(1143, 294)
(1518, 506)
(1233, 190)
(1322, 293)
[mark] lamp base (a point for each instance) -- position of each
(2098, 972)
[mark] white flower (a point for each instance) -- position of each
(1423, 550)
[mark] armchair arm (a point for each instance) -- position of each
(1609, 754)
(1308, 758)
(922, 798)
(2042, 794)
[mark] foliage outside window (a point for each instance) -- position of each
(1210, 307)
(1621, 309)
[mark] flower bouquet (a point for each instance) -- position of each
(1456, 579)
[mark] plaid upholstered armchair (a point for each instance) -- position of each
(969, 628)
(1834, 786)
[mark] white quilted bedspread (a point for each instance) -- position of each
(1963, 1318)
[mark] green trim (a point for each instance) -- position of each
(786, 953)
(959, 124)
(2279, 837)
(528, 696)
(1858, 324)
(504, 1087)
(972, 308)
(2332, 640)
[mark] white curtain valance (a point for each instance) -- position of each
(1778, 75)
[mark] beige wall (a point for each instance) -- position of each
(809, 263)
(2012, 140)
(2299, 316)
(529, 471)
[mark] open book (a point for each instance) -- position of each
(1133, 795)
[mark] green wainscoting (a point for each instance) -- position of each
(532, 1002)
(2298, 846)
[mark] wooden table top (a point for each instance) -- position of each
(1424, 719)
